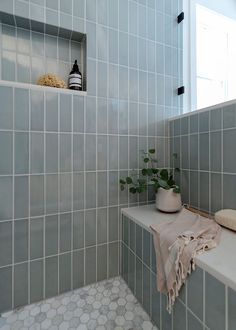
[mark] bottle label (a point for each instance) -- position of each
(75, 80)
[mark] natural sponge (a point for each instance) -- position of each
(226, 218)
(51, 80)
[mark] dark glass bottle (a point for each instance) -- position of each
(75, 78)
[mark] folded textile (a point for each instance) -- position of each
(177, 243)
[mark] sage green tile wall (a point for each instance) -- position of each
(64, 153)
(205, 144)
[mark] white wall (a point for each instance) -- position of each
(224, 7)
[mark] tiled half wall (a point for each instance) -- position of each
(204, 303)
(205, 143)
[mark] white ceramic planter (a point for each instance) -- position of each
(168, 201)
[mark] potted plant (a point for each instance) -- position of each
(168, 197)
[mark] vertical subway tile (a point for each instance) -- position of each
(78, 152)
(139, 280)
(204, 121)
(146, 247)
(37, 195)
(78, 114)
(36, 238)
(229, 116)
(65, 153)
(51, 193)
(155, 301)
(21, 153)
(204, 191)
(21, 197)
(231, 309)
(113, 152)
(102, 188)
(139, 241)
(78, 269)
(78, 230)
(204, 151)
(37, 110)
(113, 224)
(146, 289)
(5, 243)
(51, 235)
(90, 190)
(90, 152)
(6, 198)
(113, 259)
(6, 111)
(90, 228)
(193, 322)
(65, 272)
(37, 152)
(131, 271)
(21, 108)
(20, 285)
(229, 198)
(52, 112)
(51, 277)
(90, 265)
(102, 226)
(102, 152)
(229, 158)
(215, 303)
(65, 232)
(179, 320)
(195, 293)
(65, 193)
(216, 192)
(51, 153)
(90, 115)
(65, 113)
(102, 262)
(78, 191)
(6, 289)
(21, 239)
(6, 150)
(36, 280)
(216, 151)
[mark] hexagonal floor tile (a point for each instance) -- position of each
(108, 305)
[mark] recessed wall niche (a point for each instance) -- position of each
(30, 49)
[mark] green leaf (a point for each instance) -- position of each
(164, 174)
(132, 190)
(152, 151)
(146, 160)
(129, 180)
(122, 188)
(144, 171)
(122, 181)
(139, 190)
(176, 190)
(155, 170)
(149, 172)
(163, 184)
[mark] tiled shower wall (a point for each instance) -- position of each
(205, 142)
(63, 154)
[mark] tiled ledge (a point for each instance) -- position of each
(204, 303)
(41, 88)
(219, 262)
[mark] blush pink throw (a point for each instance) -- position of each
(177, 243)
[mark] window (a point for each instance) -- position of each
(212, 57)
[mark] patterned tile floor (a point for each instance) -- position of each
(102, 306)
